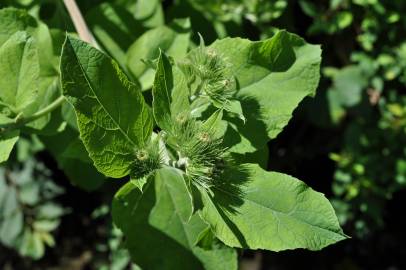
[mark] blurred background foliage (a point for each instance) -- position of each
(349, 142)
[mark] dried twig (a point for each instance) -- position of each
(79, 22)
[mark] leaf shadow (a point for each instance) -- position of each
(230, 184)
(228, 197)
(97, 19)
(254, 128)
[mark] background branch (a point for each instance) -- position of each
(79, 22)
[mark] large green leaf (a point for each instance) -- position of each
(112, 115)
(19, 72)
(172, 39)
(155, 246)
(173, 197)
(273, 76)
(172, 214)
(256, 209)
(149, 247)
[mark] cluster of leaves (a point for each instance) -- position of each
(371, 165)
(258, 11)
(28, 213)
(374, 18)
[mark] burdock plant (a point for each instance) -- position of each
(195, 155)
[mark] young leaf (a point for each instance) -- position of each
(215, 125)
(269, 210)
(139, 182)
(112, 115)
(162, 93)
(172, 39)
(234, 107)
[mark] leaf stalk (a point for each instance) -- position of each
(20, 120)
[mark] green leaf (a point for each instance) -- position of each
(234, 107)
(7, 139)
(49, 211)
(172, 39)
(76, 150)
(81, 174)
(162, 93)
(48, 50)
(173, 197)
(215, 125)
(73, 159)
(47, 86)
(46, 225)
(139, 182)
(32, 245)
(19, 64)
(151, 248)
(112, 115)
(11, 218)
(348, 85)
(273, 76)
(29, 193)
(172, 214)
(269, 210)
(150, 12)
(13, 20)
(7, 142)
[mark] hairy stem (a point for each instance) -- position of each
(20, 121)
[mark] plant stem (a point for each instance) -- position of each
(20, 121)
(79, 22)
